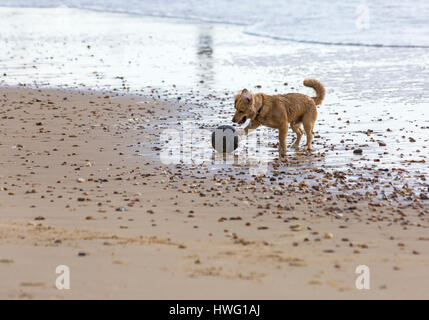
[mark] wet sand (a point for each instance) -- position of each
(82, 183)
(82, 186)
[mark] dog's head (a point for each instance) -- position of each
(244, 107)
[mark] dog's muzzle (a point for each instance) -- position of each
(243, 120)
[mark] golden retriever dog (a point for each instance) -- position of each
(278, 111)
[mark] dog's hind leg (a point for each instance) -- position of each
(296, 127)
(309, 120)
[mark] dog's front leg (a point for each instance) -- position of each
(249, 128)
(282, 142)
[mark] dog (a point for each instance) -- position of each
(278, 111)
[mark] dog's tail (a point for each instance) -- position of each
(318, 87)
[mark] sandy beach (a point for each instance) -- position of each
(75, 192)
(83, 184)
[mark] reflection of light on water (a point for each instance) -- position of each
(381, 89)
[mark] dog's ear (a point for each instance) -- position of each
(246, 96)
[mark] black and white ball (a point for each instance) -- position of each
(225, 139)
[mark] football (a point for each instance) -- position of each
(225, 139)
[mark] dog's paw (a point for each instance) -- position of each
(240, 131)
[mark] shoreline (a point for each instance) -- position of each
(82, 184)
(135, 228)
(187, 18)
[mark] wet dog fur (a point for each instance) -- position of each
(278, 111)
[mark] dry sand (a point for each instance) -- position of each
(79, 187)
